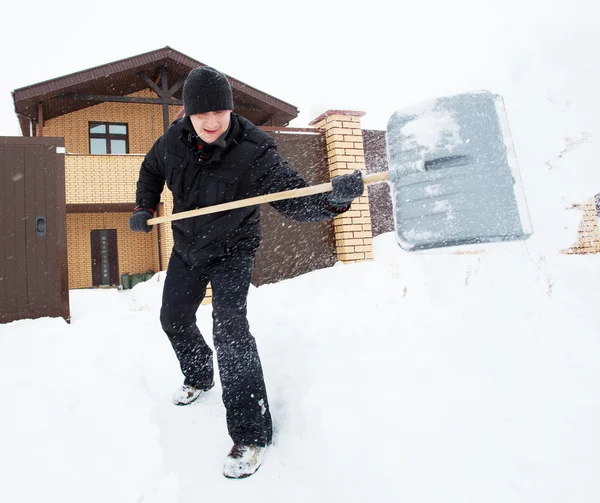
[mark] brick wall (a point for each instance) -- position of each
(345, 151)
(137, 251)
(145, 123)
(98, 179)
(588, 234)
(101, 178)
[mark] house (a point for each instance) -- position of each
(109, 117)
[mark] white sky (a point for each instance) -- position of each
(316, 55)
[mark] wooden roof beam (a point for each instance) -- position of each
(151, 83)
(123, 99)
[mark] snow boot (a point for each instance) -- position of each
(187, 394)
(242, 461)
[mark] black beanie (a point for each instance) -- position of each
(206, 90)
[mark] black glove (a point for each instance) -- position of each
(137, 221)
(346, 188)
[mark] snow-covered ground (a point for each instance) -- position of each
(453, 376)
(419, 377)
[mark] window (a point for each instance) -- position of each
(108, 138)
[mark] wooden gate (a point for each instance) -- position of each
(291, 248)
(33, 248)
(105, 257)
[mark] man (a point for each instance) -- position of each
(208, 157)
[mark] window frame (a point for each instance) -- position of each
(108, 136)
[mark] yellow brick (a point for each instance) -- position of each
(333, 138)
(343, 158)
(349, 137)
(356, 165)
(342, 220)
(345, 249)
(341, 145)
(350, 242)
(354, 152)
(350, 228)
(341, 131)
(338, 168)
(351, 256)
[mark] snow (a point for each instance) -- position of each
(464, 375)
(431, 131)
(455, 375)
(444, 206)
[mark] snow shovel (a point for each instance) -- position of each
(452, 172)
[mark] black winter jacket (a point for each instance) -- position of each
(244, 164)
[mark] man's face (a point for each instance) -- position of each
(210, 125)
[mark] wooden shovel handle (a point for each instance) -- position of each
(376, 178)
(267, 198)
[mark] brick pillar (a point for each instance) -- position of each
(345, 152)
(588, 233)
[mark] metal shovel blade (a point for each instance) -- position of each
(454, 175)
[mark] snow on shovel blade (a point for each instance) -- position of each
(454, 173)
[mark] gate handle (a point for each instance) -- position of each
(40, 226)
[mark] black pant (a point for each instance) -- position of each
(244, 391)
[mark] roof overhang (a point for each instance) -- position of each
(80, 90)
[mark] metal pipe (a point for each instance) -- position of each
(40, 121)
